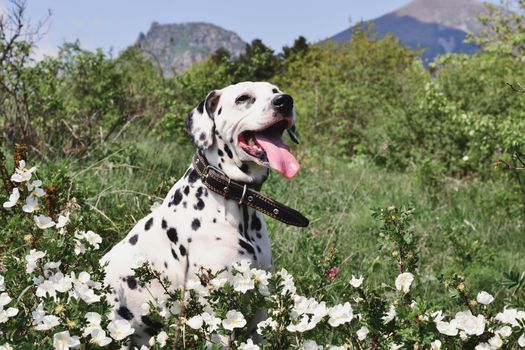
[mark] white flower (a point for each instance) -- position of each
(268, 323)
(340, 314)
(87, 294)
(484, 298)
(287, 282)
(35, 190)
(32, 259)
(311, 345)
(93, 239)
(242, 284)
(4, 299)
(435, 345)
(218, 282)
(21, 173)
(362, 333)
(234, 319)
(79, 247)
(46, 288)
(472, 325)
(43, 322)
(62, 221)
(437, 316)
(510, 316)
(403, 282)
(161, 338)
(389, 315)
(212, 321)
(6, 346)
(337, 347)
(98, 337)
(495, 342)
(521, 341)
(195, 322)
(242, 266)
(447, 328)
(31, 204)
(395, 346)
(504, 331)
(94, 319)
(120, 329)
(13, 198)
(249, 345)
(64, 341)
(9, 312)
(261, 277)
(2, 283)
(483, 346)
(43, 221)
(356, 282)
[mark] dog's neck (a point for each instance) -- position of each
(224, 158)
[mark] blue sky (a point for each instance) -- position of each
(117, 23)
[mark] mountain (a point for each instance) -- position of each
(439, 26)
(174, 47)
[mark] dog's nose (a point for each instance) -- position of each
(283, 104)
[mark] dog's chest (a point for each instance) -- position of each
(195, 227)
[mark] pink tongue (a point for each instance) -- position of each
(278, 154)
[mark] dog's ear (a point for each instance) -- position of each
(200, 123)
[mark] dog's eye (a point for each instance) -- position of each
(242, 98)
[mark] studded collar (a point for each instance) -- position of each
(217, 181)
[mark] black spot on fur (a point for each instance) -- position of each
(256, 223)
(184, 204)
(240, 252)
(193, 176)
(200, 107)
(231, 139)
(133, 239)
(246, 246)
(258, 248)
(245, 168)
(132, 282)
(214, 220)
(218, 238)
(177, 197)
(172, 235)
(153, 327)
(202, 136)
(220, 152)
(182, 250)
(186, 190)
(239, 228)
(220, 111)
(174, 253)
(195, 224)
(199, 205)
(190, 240)
(165, 264)
(125, 313)
(220, 166)
(258, 234)
(199, 192)
(164, 224)
(228, 151)
(148, 224)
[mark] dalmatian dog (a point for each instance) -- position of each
(238, 129)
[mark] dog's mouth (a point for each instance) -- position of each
(268, 148)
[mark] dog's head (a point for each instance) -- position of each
(240, 128)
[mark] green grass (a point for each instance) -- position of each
(468, 227)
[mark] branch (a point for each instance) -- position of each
(520, 89)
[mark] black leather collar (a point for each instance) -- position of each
(218, 182)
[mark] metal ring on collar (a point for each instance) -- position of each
(243, 193)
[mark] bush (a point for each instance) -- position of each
(61, 300)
